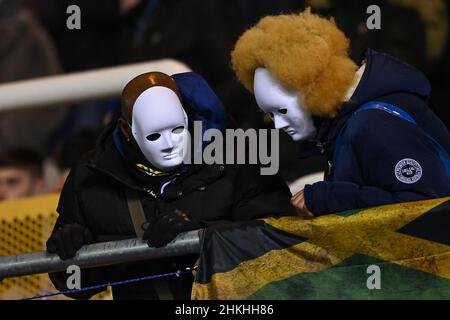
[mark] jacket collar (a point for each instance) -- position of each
(384, 76)
(109, 160)
(330, 128)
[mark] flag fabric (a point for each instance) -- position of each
(399, 251)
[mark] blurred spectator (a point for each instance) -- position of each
(74, 148)
(253, 10)
(415, 31)
(25, 52)
(199, 33)
(434, 17)
(438, 26)
(100, 43)
(402, 32)
(21, 174)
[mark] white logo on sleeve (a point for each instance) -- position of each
(408, 171)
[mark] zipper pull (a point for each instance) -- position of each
(330, 167)
(321, 147)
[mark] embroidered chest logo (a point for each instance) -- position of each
(408, 171)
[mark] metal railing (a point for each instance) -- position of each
(80, 86)
(96, 255)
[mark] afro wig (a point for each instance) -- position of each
(306, 52)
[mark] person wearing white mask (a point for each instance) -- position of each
(382, 142)
(137, 183)
(283, 105)
(163, 139)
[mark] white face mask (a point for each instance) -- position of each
(160, 128)
(283, 105)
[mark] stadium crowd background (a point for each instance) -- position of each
(38, 147)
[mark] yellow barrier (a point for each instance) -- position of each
(25, 226)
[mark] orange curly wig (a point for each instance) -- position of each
(306, 52)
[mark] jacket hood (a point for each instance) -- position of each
(200, 101)
(385, 75)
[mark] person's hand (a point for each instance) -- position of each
(67, 240)
(166, 227)
(298, 201)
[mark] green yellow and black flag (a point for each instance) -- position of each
(406, 246)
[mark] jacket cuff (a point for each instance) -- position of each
(308, 192)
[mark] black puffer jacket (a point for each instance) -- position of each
(94, 196)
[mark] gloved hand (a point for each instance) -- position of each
(67, 240)
(166, 227)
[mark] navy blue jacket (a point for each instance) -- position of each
(376, 145)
